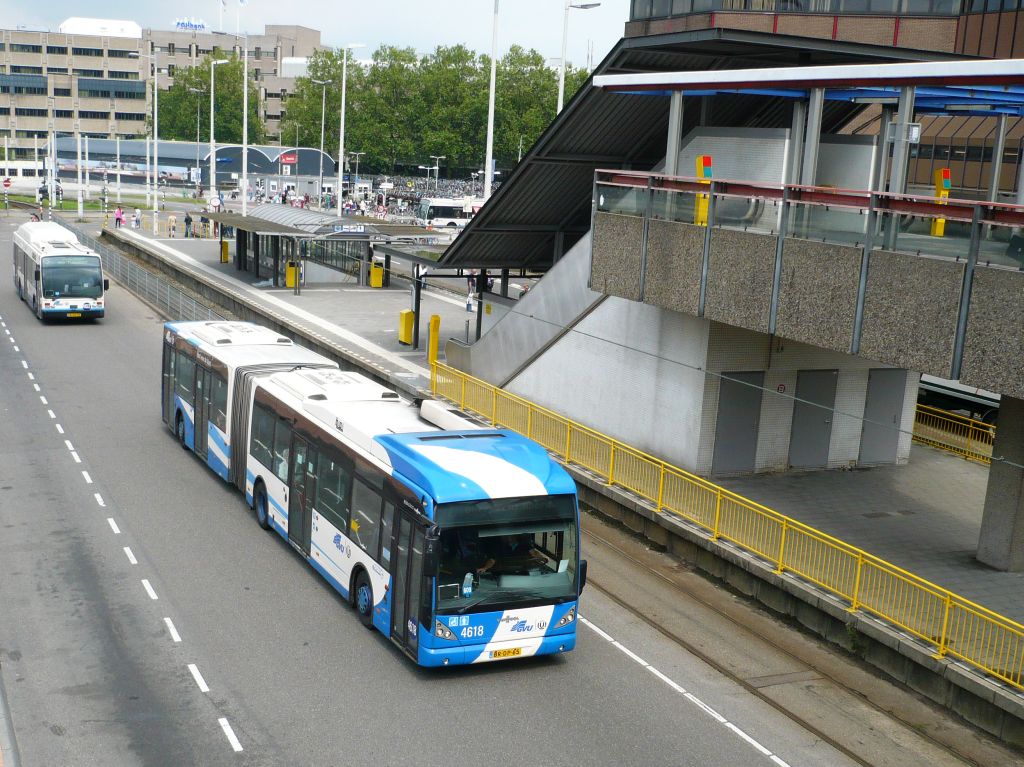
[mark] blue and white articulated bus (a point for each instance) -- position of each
(205, 365)
(460, 543)
(56, 275)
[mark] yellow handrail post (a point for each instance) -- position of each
(529, 422)
(854, 597)
(779, 567)
(433, 377)
(462, 395)
(611, 466)
(494, 406)
(943, 643)
(568, 440)
(661, 487)
(717, 533)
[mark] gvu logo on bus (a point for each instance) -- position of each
(337, 542)
(521, 627)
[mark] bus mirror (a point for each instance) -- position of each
(431, 553)
(37, 276)
(106, 284)
(583, 573)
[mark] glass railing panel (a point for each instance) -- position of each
(828, 223)
(753, 214)
(625, 200)
(926, 235)
(672, 205)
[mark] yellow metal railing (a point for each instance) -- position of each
(956, 433)
(953, 625)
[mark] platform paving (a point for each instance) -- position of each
(924, 517)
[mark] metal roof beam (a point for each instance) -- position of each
(577, 159)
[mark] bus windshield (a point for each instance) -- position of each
(506, 552)
(72, 277)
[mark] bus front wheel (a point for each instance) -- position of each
(260, 503)
(363, 594)
(179, 430)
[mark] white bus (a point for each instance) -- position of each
(205, 365)
(55, 274)
(445, 212)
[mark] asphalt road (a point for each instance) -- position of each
(105, 562)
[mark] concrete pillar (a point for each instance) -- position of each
(1001, 542)
(796, 141)
(675, 133)
(812, 137)
(900, 155)
(882, 160)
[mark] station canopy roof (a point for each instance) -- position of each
(543, 207)
(271, 218)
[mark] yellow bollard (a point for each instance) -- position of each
(700, 203)
(942, 186)
(435, 338)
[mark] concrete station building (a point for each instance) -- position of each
(782, 327)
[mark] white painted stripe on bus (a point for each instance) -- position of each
(203, 687)
(113, 526)
(88, 479)
(226, 726)
(60, 429)
(75, 456)
(131, 557)
(43, 400)
(149, 589)
(175, 636)
(689, 696)
(99, 500)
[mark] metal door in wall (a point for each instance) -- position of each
(883, 411)
(739, 414)
(812, 418)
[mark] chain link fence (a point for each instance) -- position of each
(174, 303)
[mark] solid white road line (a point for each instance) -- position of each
(88, 479)
(203, 687)
(76, 458)
(226, 726)
(149, 589)
(679, 689)
(113, 526)
(175, 636)
(99, 500)
(131, 557)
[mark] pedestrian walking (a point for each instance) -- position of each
(137, 219)
(188, 224)
(172, 225)
(118, 217)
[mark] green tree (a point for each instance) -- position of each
(191, 93)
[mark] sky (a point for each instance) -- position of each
(420, 24)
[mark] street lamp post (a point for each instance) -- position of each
(199, 175)
(323, 116)
(213, 143)
(437, 169)
(565, 40)
(489, 155)
(357, 155)
(341, 130)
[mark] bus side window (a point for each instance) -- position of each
(219, 402)
(365, 524)
(185, 377)
(387, 519)
(332, 491)
(262, 435)
(282, 445)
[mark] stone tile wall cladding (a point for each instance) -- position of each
(911, 328)
(741, 268)
(818, 293)
(675, 253)
(615, 259)
(994, 348)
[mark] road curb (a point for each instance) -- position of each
(8, 745)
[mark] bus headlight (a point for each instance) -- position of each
(442, 631)
(568, 618)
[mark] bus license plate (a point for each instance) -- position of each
(512, 652)
(74, 314)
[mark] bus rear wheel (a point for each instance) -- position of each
(260, 504)
(363, 598)
(179, 430)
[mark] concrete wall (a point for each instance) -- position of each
(631, 370)
(615, 268)
(741, 267)
(995, 332)
(675, 253)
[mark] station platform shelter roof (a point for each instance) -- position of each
(543, 207)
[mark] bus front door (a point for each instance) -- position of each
(168, 384)
(300, 520)
(407, 581)
(204, 390)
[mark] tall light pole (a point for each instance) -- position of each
(245, 124)
(323, 116)
(565, 40)
(199, 176)
(213, 144)
(489, 155)
(437, 169)
(357, 155)
(341, 131)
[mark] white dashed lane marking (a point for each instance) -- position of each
(75, 457)
(203, 687)
(131, 557)
(175, 636)
(149, 589)
(52, 415)
(688, 695)
(43, 400)
(88, 479)
(36, 387)
(226, 726)
(113, 526)
(99, 500)
(60, 429)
